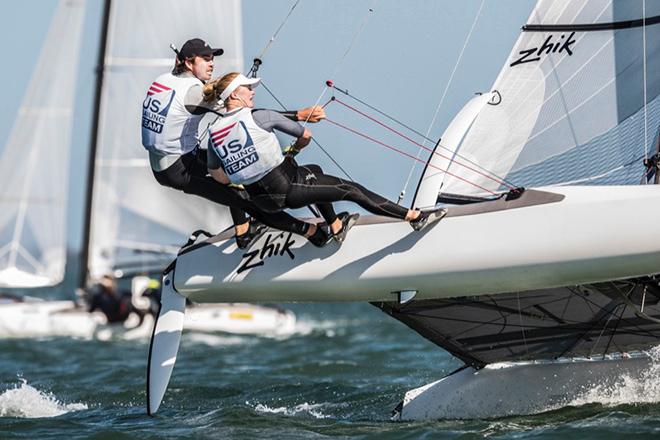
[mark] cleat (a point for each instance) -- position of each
(254, 231)
(427, 218)
(347, 222)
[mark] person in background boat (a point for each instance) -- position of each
(171, 114)
(246, 151)
(153, 292)
(115, 304)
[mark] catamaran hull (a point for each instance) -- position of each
(547, 238)
(507, 389)
(48, 319)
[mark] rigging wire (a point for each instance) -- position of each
(257, 61)
(495, 179)
(356, 35)
(444, 94)
(406, 154)
(522, 327)
(365, 19)
(313, 140)
(334, 72)
(371, 107)
(638, 312)
(610, 315)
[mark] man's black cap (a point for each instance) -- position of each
(197, 47)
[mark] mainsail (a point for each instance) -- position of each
(576, 101)
(35, 162)
(136, 224)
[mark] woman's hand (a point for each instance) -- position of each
(311, 114)
(303, 140)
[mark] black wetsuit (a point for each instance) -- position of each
(290, 185)
(115, 306)
(189, 174)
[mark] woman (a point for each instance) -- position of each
(172, 111)
(244, 150)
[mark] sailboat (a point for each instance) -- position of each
(33, 174)
(133, 226)
(542, 292)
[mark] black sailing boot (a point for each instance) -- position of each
(427, 218)
(321, 237)
(347, 222)
(255, 230)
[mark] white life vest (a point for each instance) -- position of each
(166, 124)
(247, 151)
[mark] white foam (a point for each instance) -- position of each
(304, 408)
(28, 402)
(217, 340)
(643, 388)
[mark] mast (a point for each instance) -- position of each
(100, 67)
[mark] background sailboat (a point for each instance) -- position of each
(133, 226)
(131, 220)
(34, 164)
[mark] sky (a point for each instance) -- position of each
(398, 56)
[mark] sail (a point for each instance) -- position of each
(577, 100)
(35, 161)
(136, 224)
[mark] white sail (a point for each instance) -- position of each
(35, 162)
(134, 219)
(572, 99)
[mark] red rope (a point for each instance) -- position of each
(498, 181)
(405, 154)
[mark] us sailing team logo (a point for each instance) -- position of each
(234, 146)
(549, 46)
(155, 106)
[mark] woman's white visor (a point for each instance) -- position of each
(240, 80)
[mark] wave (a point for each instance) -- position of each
(214, 340)
(27, 402)
(304, 409)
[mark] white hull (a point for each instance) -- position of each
(239, 319)
(508, 389)
(488, 248)
(43, 319)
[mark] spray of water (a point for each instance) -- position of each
(642, 387)
(28, 402)
(313, 410)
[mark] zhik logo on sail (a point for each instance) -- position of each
(234, 146)
(156, 106)
(549, 46)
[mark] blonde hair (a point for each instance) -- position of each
(214, 88)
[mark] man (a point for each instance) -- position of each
(116, 305)
(171, 114)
